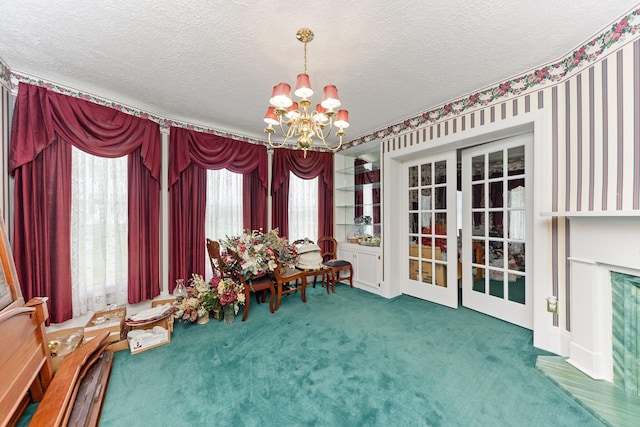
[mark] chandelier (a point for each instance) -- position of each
(300, 119)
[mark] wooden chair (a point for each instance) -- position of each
(259, 285)
(289, 275)
(213, 249)
(329, 247)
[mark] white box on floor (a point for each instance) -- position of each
(145, 339)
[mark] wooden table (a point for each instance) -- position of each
(326, 273)
(298, 282)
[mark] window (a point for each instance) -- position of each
(99, 226)
(303, 208)
(224, 208)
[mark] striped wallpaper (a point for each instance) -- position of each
(594, 138)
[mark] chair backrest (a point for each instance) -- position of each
(301, 241)
(213, 249)
(329, 247)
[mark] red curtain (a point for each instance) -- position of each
(316, 164)
(191, 154)
(45, 125)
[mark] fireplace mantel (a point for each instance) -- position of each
(599, 243)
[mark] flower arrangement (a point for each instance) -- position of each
(230, 293)
(286, 252)
(200, 299)
(254, 253)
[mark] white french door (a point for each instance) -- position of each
(496, 226)
(431, 257)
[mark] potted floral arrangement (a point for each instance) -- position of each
(199, 300)
(230, 295)
(254, 253)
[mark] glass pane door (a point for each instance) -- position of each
(431, 207)
(495, 279)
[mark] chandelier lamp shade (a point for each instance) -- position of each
(299, 119)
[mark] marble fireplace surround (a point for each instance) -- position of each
(600, 243)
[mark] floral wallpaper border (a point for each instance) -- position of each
(544, 75)
(5, 74)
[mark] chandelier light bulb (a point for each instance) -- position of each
(330, 100)
(342, 119)
(292, 112)
(271, 118)
(281, 96)
(303, 87)
(320, 114)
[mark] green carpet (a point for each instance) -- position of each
(346, 359)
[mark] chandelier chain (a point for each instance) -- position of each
(305, 57)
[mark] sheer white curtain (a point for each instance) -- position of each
(517, 217)
(224, 208)
(99, 266)
(303, 208)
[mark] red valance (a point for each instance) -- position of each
(41, 114)
(214, 152)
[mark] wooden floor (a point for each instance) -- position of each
(605, 400)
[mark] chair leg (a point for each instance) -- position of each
(327, 280)
(337, 278)
(261, 296)
(247, 303)
(334, 277)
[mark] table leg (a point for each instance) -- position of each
(303, 290)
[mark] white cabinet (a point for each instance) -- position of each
(358, 213)
(367, 265)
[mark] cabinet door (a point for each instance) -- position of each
(366, 269)
(348, 255)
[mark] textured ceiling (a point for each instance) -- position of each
(214, 63)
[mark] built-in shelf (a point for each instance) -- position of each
(354, 170)
(352, 188)
(591, 213)
(351, 205)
